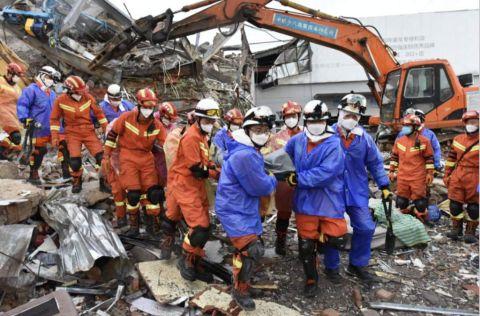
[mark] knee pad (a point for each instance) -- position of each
(402, 203)
(76, 163)
(255, 250)
(155, 194)
(199, 236)
(421, 204)
(472, 211)
(306, 247)
(133, 197)
(339, 242)
(16, 137)
(456, 208)
(99, 157)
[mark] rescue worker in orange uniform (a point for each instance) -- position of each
(9, 94)
(291, 112)
(242, 182)
(73, 108)
(135, 133)
(461, 179)
(186, 192)
(411, 164)
(35, 107)
(319, 201)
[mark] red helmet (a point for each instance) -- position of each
(15, 69)
(234, 116)
(291, 107)
(472, 114)
(411, 119)
(146, 97)
(168, 110)
(75, 84)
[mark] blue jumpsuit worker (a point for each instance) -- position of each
(319, 202)
(428, 133)
(113, 105)
(361, 155)
(242, 182)
(234, 120)
(35, 105)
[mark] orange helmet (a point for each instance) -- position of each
(146, 97)
(75, 84)
(291, 107)
(472, 114)
(15, 69)
(168, 110)
(234, 116)
(412, 120)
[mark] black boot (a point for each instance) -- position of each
(308, 256)
(121, 222)
(333, 275)
(243, 298)
(186, 265)
(34, 177)
(281, 241)
(457, 229)
(362, 273)
(134, 222)
(167, 229)
(77, 184)
(103, 185)
(470, 229)
(150, 225)
(201, 273)
(65, 171)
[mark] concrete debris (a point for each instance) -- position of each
(165, 282)
(55, 303)
(384, 294)
(15, 205)
(329, 312)
(13, 248)
(8, 170)
(152, 307)
(421, 309)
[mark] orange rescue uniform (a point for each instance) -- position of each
(8, 113)
(187, 195)
(462, 176)
(79, 129)
(135, 140)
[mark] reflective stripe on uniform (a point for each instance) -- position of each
(121, 203)
(54, 128)
(85, 106)
(476, 147)
(429, 166)
(133, 207)
(393, 163)
(401, 147)
(153, 133)
(102, 121)
(458, 145)
(152, 206)
(67, 107)
(237, 263)
(450, 163)
(204, 149)
(109, 143)
(132, 128)
(422, 147)
(281, 142)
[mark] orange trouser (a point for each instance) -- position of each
(313, 227)
(240, 243)
(412, 189)
(193, 208)
(463, 185)
(284, 200)
(39, 147)
(76, 136)
(117, 192)
(138, 173)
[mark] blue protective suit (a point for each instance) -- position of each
(361, 156)
(242, 182)
(437, 150)
(37, 105)
(221, 139)
(319, 190)
(111, 114)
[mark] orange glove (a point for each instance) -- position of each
(106, 163)
(392, 176)
(429, 178)
(55, 141)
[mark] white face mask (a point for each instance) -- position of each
(48, 82)
(115, 103)
(233, 127)
(349, 124)
(15, 78)
(207, 128)
(260, 139)
(146, 112)
(471, 128)
(291, 122)
(316, 129)
(76, 97)
(165, 121)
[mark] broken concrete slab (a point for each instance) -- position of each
(15, 242)
(55, 303)
(18, 200)
(8, 170)
(156, 309)
(91, 194)
(165, 282)
(218, 299)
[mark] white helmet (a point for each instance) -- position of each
(114, 91)
(258, 116)
(353, 103)
(208, 108)
(316, 110)
(51, 72)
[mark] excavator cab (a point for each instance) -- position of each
(430, 86)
